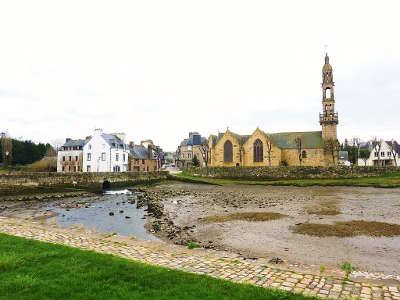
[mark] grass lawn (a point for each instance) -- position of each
(36, 270)
(385, 181)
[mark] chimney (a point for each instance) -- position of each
(121, 136)
(98, 131)
(67, 140)
(131, 144)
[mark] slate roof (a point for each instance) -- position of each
(139, 152)
(112, 140)
(396, 146)
(284, 140)
(74, 143)
(189, 141)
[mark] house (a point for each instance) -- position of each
(310, 148)
(141, 158)
(70, 156)
(382, 153)
(194, 146)
(105, 152)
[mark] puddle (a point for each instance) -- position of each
(108, 214)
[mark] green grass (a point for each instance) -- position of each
(36, 270)
(385, 181)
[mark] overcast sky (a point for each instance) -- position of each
(159, 69)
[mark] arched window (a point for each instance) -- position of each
(328, 93)
(228, 151)
(304, 154)
(258, 151)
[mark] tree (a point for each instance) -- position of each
(377, 145)
(6, 150)
(268, 145)
(365, 154)
(299, 147)
(331, 147)
(195, 161)
(357, 144)
(394, 151)
(205, 152)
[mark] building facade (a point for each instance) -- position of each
(70, 156)
(105, 152)
(142, 159)
(312, 148)
(382, 153)
(194, 146)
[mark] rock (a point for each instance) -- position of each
(127, 217)
(121, 211)
(276, 260)
(110, 213)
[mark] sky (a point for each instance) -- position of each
(160, 69)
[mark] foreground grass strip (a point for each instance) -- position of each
(349, 229)
(36, 270)
(244, 216)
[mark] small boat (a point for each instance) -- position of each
(120, 192)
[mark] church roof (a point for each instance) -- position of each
(284, 140)
(287, 140)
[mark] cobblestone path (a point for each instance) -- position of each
(214, 263)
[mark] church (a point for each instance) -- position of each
(311, 148)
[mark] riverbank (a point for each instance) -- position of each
(71, 273)
(36, 270)
(391, 180)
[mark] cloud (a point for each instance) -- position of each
(159, 69)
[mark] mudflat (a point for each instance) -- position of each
(296, 224)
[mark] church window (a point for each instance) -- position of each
(228, 151)
(304, 154)
(258, 151)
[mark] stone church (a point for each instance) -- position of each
(311, 148)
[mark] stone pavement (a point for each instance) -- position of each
(214, 263)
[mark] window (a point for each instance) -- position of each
(90, 147)
(89, 157)
(103, 156)
(76, 168)
(228, 151)
(258, 151)
(76, 158)
(88, 169)
(70, 158)
(328, 93)
(142, 161)
(304, 154)
(63, 158)
(63, 168)
(376, 154)
(123, 157)
(389, 154)
(116, 156)
(382, 153)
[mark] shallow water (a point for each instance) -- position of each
(97, 216)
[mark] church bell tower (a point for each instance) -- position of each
(328, 118)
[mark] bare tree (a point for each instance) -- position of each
(299, 148)
(205, 152)
(331, 147)
(6, 149)
(377, 145)
(394, 151)
(269, 150)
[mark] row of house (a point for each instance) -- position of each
(104, 152)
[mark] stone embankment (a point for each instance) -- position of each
(291, 172)
(53, 179)
(219, 264)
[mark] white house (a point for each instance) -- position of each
(105, 152)
(385, 156)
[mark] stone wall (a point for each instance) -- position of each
(53, 179)
(291, 172)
